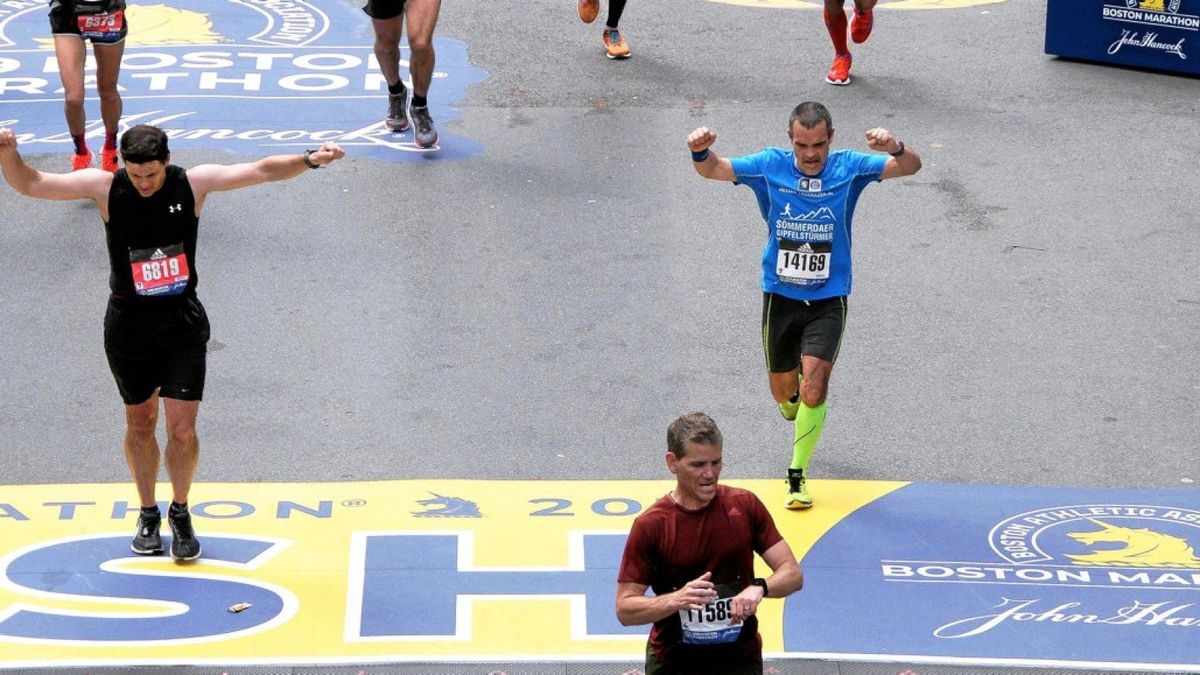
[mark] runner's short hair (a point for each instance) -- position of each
(809, 114)
(694, 427)
(143, 144)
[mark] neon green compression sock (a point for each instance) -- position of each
(809, 424)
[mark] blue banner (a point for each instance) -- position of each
(1154, 34)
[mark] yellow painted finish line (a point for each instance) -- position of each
(423, 570)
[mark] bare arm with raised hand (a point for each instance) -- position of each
(705, 161)
(206, 178)
(904, 160)
(84, 184)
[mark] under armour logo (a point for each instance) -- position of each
(176, 208)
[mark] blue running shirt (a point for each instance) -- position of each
(807, 255)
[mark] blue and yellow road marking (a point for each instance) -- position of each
(984, 574)
(247, 77)
(386, 571)
(458, 570)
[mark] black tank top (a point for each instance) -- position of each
(152, 241)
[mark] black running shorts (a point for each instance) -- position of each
(161, 348)
(707, 664)
(384, 9)
(795, 328)
(64, 22)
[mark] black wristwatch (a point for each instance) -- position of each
(761, 583)
(898, 152)
(313, 165)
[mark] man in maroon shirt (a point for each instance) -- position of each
(695, 549)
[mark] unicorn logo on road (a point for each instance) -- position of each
(447, 507)
(1143, 547)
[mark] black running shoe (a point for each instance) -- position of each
(397, 117)
(146, 541)
(425, 135)
(184, 545)
(798, 496)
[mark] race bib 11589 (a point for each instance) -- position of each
(711, 624)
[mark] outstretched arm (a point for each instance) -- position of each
(906, 164)
(207, 178)
(85, 184)
(711, 166)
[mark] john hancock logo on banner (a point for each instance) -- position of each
(248, 76)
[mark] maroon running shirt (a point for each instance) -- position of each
(669, 546)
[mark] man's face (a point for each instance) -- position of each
(696, 473)
(147, 178)
(811, 146)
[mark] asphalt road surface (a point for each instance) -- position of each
(1027, 308)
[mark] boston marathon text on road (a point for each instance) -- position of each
(221, 509)
(1010, 574)
(263, 72)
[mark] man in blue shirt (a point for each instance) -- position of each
(806, 195)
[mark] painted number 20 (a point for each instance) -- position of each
(603, 507)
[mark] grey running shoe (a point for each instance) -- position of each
(397, 117)
(425, 135)
(184, 545)
(146, 540)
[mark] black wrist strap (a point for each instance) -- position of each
(308, 160)
(898, 152)
(761, 583)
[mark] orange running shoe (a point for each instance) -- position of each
(839, 72)
(108, 159)
(83, 161)
(861, 24)
(588, 10)
(615, 44)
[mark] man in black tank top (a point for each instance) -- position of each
(155, 329)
